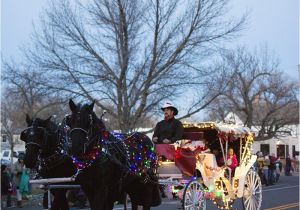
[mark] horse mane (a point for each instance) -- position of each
(51, 126)
(95, 118)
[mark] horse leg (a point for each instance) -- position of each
(110, 204)
(45, 200)
(146, 207)
(55, 203)
(100, 200)
(125, 201)
(134, 206)
(60, 201)
(63, 200)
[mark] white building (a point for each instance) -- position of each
(281, 146)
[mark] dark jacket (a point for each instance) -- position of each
(288, 162)
(171, 130)
(6, 185)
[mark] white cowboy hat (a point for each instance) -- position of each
(170, 105)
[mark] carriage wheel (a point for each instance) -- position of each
(252, 197)
(194, 196)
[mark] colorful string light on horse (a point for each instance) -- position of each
(109, 166)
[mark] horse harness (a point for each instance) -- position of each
(54, 160)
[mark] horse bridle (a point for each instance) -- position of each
(44, 139)
(88, 138)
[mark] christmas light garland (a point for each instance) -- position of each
(86, 160)
(140, 152)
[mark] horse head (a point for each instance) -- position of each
(85, 128)
(37, 139)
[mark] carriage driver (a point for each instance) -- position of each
(170, 129)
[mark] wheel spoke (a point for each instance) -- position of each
(251, 183)
(194, 197)
(252, 203)
(256, 202)
(256, 187)
(188, 206)
(252, 197)
(256, 181)
(248, 203)
(190, 197)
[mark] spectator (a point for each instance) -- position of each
(17, 171)
(297, 165)
(278, 168)
(293, 164)
(272, 173)
(288, 166)
(24, 183)
(260, 165)
(266, 169)
(6, 187)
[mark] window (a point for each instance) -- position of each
(265, 149)
(15, 154)
(4, 138)
(281, 150)
(294, 152)
(6, 154)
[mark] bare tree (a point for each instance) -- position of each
(277, 107)
(249, 71)
(21, 95)
(24, 87)
(258, 93)
(11, 120)
(130, 54)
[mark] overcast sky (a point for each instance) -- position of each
(272, 22)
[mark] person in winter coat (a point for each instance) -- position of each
(278, 166)
(266, 169)
(24, 183)
(260, 165)
(232, 160)
(272, 172)
(6, 187)
(288, 166)
(170, 129)
(17, 171)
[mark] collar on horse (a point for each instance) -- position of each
(91, 156)
(59, 155)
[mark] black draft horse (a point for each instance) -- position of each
(110, 166)
(44, 144)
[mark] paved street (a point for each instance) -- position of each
(283, 195)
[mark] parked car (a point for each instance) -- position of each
(6, 155)
(5, 162)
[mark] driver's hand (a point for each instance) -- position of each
(155, 139)
(166, 141)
